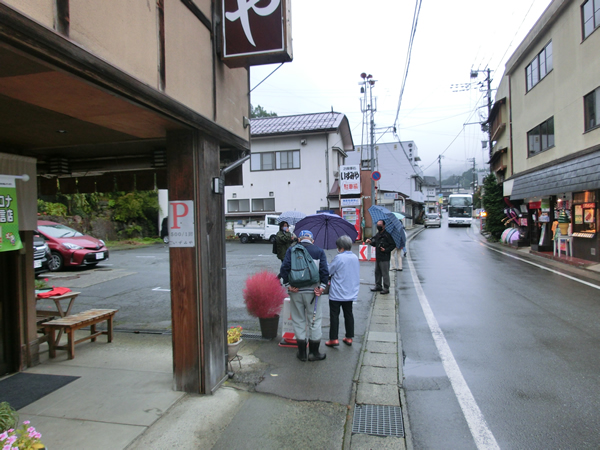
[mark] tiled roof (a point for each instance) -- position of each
(265, 126)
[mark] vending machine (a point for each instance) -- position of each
(352, 215)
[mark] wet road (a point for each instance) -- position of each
(513, 360)
(136, 282)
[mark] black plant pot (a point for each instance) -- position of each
(268, 327)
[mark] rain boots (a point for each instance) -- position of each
(301, 354)
(313, 351)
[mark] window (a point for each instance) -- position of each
(275, 160)
(590, 12)
(287, 160)
(262, 161)
(541, 137)
(238, 205)
(263, 204)
(591, 103)
(541, 66)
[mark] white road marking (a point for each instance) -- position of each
(482, 435)
(595, 286)
(161, 290)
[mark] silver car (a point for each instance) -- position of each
(433, 220)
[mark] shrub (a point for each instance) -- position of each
(8, 417)
(263, 295)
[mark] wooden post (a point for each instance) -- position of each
(198, 295)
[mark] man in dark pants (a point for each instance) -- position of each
(384, 245)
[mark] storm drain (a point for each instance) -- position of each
(378, 420)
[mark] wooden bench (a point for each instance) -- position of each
(70, 324)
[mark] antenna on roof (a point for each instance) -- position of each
(332, 108)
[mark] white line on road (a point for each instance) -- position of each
(482, 435)
(161, 290)
(595, 286)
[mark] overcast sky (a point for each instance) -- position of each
(335, 40)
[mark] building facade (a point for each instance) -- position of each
(294, 165)
(547, 131)
(98, 96)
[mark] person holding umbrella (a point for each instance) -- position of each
(304, 301)
(384, 244)
(283, 239)
(396, 257)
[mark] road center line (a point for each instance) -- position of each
(482, 435)
(595, 286)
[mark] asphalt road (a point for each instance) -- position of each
(136, 281)
(517, 344)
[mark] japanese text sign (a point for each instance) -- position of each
(256, 32)
(349, 180)
(181, 223)
(9, 221)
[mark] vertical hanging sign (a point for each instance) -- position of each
(9, 220)
(350, 180)
(181, 223)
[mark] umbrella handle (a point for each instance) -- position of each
(315, 310)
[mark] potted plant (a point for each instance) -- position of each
(23, 437)
(234, 339)
(263, 296)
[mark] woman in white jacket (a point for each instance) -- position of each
(344, 272)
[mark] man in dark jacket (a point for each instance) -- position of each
(304, 300)
(384, 245)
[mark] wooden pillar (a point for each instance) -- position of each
(198, 289)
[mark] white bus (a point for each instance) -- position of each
(460, 209)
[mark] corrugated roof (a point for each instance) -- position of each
(579, 174)
(265, 126)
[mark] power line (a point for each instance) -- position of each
(408, 55)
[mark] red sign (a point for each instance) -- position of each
(256, 32)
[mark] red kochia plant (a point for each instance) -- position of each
(263, 295)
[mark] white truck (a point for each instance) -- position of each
(254, 231)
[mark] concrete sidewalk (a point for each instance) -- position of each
(124, 396)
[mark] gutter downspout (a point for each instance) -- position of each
(327, 168)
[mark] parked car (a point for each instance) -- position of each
(432, 220)
(164, 230)
(41, 254)
(69, 247)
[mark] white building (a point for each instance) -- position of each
(294, 165)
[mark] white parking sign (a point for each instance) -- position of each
(181, 223)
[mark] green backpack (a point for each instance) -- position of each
(304, 271)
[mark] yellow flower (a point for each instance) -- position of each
(234, 334)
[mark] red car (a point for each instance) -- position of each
(69, 247)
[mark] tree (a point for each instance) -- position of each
(493, 203)
(259, 111)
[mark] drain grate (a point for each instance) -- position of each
(378, 420)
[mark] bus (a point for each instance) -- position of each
(460, 209)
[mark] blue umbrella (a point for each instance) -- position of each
(291, 217)
(326, 228)
(392, 224)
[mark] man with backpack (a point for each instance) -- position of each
(305, 274)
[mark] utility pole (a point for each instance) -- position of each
(440, 194)
(369, 107)
(473, 183)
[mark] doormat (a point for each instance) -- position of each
(24, 388)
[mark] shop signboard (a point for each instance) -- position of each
(9, 220)
(255, 35)
(349, 180)
(350, 202)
